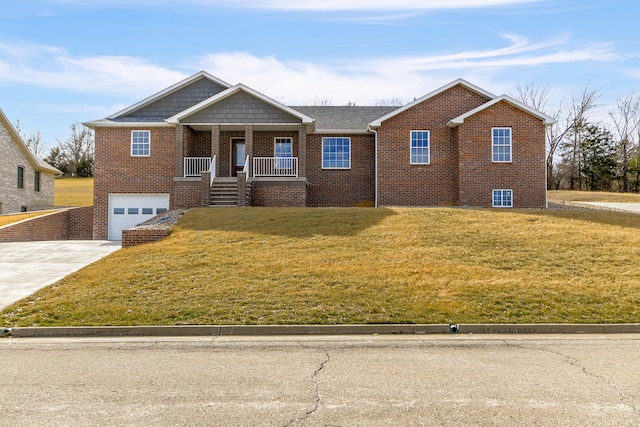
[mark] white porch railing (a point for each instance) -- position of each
(193, 166)
(275, 166)
(212, 169)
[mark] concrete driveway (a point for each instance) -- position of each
(629, 207)
(26, 267)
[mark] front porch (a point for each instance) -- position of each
(262, 166)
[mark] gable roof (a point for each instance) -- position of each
(377, 123)
(342, 119)
(38, 164)
(231, 91)
(168, 91)
(547, 120)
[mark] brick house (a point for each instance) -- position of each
(26, 182)
(203, 142)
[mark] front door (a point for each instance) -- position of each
(238, 155)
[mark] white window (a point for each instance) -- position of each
(283, 152)
(140, 142)
(419, 147)
(502, 198)
(336, 153)
(501, 146)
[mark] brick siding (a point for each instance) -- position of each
(403, 184)
(116, 171)
(342, 187)
(525, 174)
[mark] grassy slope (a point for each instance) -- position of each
(593, 196)
(334, 266)
(73, 192)
(9, 219)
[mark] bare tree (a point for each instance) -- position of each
(78, 150)
(626, 125)
(321, 102)
(389, 102)
(569, 133)
(33, 142)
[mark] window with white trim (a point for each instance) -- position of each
(502, 198)
(420, 147)
(336, 153)
(283, 152)
(140, 142)
(501, 145)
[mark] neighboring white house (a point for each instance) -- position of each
(26, 182)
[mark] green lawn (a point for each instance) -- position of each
(73, 192)
(337, 266)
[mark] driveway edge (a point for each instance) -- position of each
(275, 330)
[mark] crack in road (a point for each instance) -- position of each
(574, 362)
(316, 388)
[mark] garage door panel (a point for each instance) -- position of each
(128, 210)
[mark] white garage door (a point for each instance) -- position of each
(127, 210)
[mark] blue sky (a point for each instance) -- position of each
(63, 61)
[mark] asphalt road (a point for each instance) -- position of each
(508, 380)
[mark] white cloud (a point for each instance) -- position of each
(53, 67)
(366, 80)
(362, 80)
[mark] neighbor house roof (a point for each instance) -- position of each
(38, 164)
(378, 122)
(547, 120)
(340, 119)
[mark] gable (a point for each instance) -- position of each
(174, 102)
(11, 140)
(453, 87)
(546, 120)
(240, 107)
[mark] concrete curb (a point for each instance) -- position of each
(288, 330)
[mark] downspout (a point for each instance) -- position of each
(375, 133)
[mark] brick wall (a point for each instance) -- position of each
(403, 184)
(116, 171)
(186, 193)
(525, 174)
(68, 224)
(342, 187)
(135, 237)
(279, 193)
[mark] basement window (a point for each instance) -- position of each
(502, 198)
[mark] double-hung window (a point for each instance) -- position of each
(283, 152)
(419, 147)
(140, 142)
(502, 198)
(20, 177)
(501, 145)
(336, 153)
(36, 181)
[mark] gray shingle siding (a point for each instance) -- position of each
(175, 102)
(344, 117)
(241, 108)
